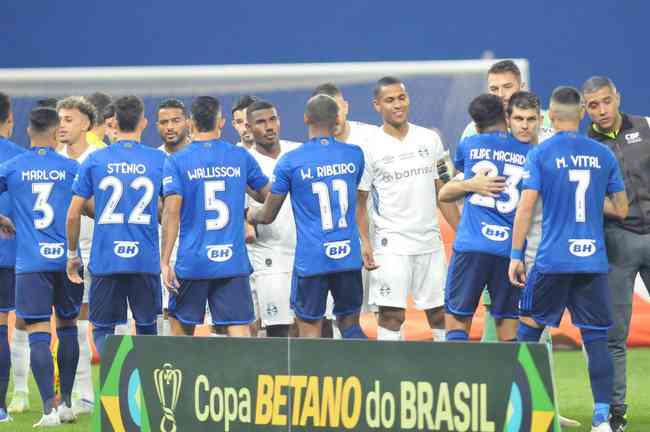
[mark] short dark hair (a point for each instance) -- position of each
(109, 111)
(172, 104)
(205, 110)
(505, 66)
(384, 82)
(128, 112)
(5, 107)
(258, 105)
(328, 88)
(595, 83)
(322, 110)
(47, 102)
(524, 100)
(566, 95)
(242, 103)
(100, 101)
(42, 119)
(486, 110)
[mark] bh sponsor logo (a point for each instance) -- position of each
(126, 249)
(219, 253)
(51, 250)
(582, 247)
(495, 232)
(337, 249)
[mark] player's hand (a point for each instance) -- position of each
(72, 268)
(169, 278)
(368, 257)
(7, 228)
(250, 234)
(517, 273)
(485, 185)
(249, 216)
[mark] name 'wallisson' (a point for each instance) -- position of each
(214, 172)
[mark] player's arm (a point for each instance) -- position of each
(448, 209)
(523, 221)
(480, 183)
(616, 206)
(73, 224)
(364, 232)
(260, 194)
(171, 217)
(7, 228)
(268, 212)
(89, 208)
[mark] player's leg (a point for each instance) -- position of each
(591, 311)
(347, 290)
(273, 293)
(83, 396)
(429, 276)
(466, 278)
(505, 299)
(19, 367)
(107, 307)
(308, 301)
(7, 304)
(389, 285)
(231, 304)
(34, 299)
(144, 295)
(187, 307)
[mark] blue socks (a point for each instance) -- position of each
(5, 365)
(353, 332)
(526, 333)
(42, 367)
(99, 337)
(601, 372)
(68, 359)
(457, 335)
(146, 329)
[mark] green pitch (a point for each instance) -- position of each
(571, 376)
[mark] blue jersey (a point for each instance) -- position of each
(211, 177)
(7, 245)
(126, 181)
(39, 185)
(322, 177)
(486, 223)
(573, 174)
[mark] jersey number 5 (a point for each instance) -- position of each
(513, 174)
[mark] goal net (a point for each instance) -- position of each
(440, 91)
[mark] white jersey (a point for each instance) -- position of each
(172, 259)
(401, 178)
(274, 248)
(360, 133)
(87, 224)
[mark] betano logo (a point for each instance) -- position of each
(126, 249)
(51, 250)
(168, 386)
(219, 253)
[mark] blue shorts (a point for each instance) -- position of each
(309, 294)
(7, 289)
(37, 292)
(471, 272)
(229, 299)
(586, 295)
(109, 295)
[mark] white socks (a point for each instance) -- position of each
(162, 326)
(388, 335)
(83, 383)
(439, 335)
(123, 329)
(336, 333)
(20, 360)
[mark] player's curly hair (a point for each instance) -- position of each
(82, 105)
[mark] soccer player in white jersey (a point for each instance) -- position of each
(406, 252)
(272, 252)
(174, 129)
(77, 116)
(239, 121)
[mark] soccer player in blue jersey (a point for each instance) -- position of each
(322, 176)
(39, 185)
(205, 187)
(482, 245)
(7, 254)
(578, 180)
(125, 179)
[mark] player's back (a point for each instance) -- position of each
(39, 183)
(573, 175)
(125, 179)
(322, 177)
(8, 150)
(486, 222)
(212, 177)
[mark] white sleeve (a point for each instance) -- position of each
(368, 171)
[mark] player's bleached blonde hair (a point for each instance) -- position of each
(82, 105)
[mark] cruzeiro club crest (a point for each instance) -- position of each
(168, 386)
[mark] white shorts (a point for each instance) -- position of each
(422, 276)
(271, 298)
